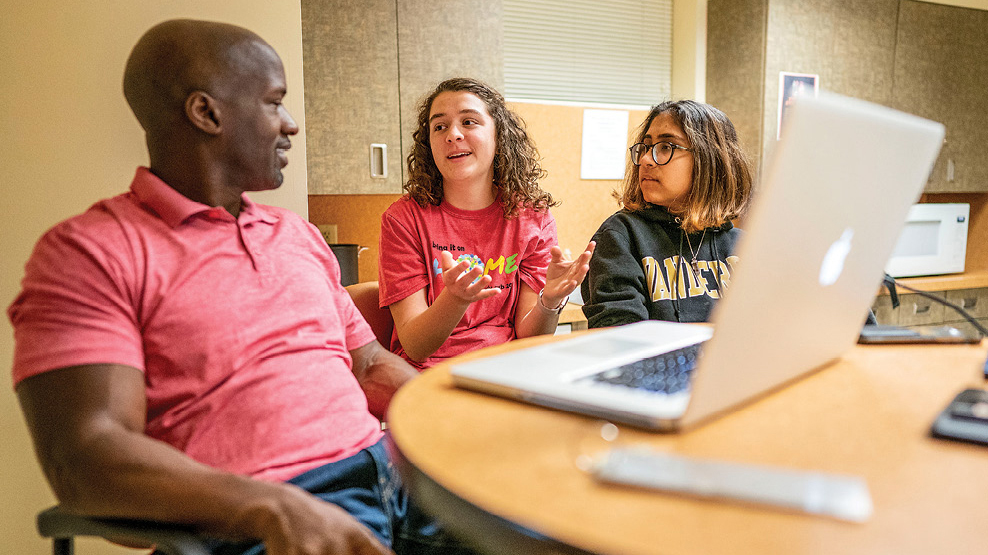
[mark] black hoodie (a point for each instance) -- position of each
(642, 270)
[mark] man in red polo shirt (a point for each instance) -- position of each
(184, 354)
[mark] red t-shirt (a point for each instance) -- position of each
(513, 252)
(241, 326)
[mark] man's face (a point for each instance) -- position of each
(256, 126)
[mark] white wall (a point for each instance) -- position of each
(67, 139)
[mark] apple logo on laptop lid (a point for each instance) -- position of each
(833, 261)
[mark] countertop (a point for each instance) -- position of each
(967, 280)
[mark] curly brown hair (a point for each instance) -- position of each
(516, 161)
(722, 180)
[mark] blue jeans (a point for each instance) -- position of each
(367, 486)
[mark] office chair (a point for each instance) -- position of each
(365, 296)
(169, 539)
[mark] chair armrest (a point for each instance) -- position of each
(171, 539)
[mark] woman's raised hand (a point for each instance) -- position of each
(466, 283)
(563, 276)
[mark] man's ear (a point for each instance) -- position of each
(203, 112)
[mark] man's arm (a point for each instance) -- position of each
(87, 423)
(380, 373)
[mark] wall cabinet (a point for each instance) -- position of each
(850, 45)
(926, 59)
(368, 64)
(941, 73)
(350, 65)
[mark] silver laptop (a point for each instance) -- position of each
(824, 222)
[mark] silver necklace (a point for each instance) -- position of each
(694, 262)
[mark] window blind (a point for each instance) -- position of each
(586, 51)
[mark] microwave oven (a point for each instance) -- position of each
(933, 241)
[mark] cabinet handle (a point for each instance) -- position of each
(921, 309)
(950, 170)
(970, 302)
(379, 160)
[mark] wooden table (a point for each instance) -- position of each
(572, 314)
(503, 473)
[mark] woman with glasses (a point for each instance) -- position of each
(667, 255)
(469, 255)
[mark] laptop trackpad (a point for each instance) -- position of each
(603, 347)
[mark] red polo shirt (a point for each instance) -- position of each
(240, 325)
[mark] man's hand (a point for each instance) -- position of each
(302, 524)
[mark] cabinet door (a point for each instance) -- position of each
(973, 301)
(368, 64)
(884, 313)
(849, 44)
(350, 60)
(439, 40)
(917, 310)
(941, 73)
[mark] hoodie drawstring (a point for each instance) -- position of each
(715, 253)
(675, 284)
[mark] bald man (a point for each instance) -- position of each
(184, 354)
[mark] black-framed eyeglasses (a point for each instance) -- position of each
(661, 152)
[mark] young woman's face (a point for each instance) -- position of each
(666, 185)
(463, 138)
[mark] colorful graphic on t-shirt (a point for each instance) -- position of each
(474, 261)
(501, 264)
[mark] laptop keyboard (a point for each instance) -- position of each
(664, 373)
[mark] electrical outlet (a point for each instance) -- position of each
(328, 232)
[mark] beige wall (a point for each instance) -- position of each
(976, 4)
(689, 49)
(68, 140)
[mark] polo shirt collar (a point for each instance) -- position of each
(174, 207)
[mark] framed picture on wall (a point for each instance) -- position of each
(792, 85)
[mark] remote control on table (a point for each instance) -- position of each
(841, 497)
